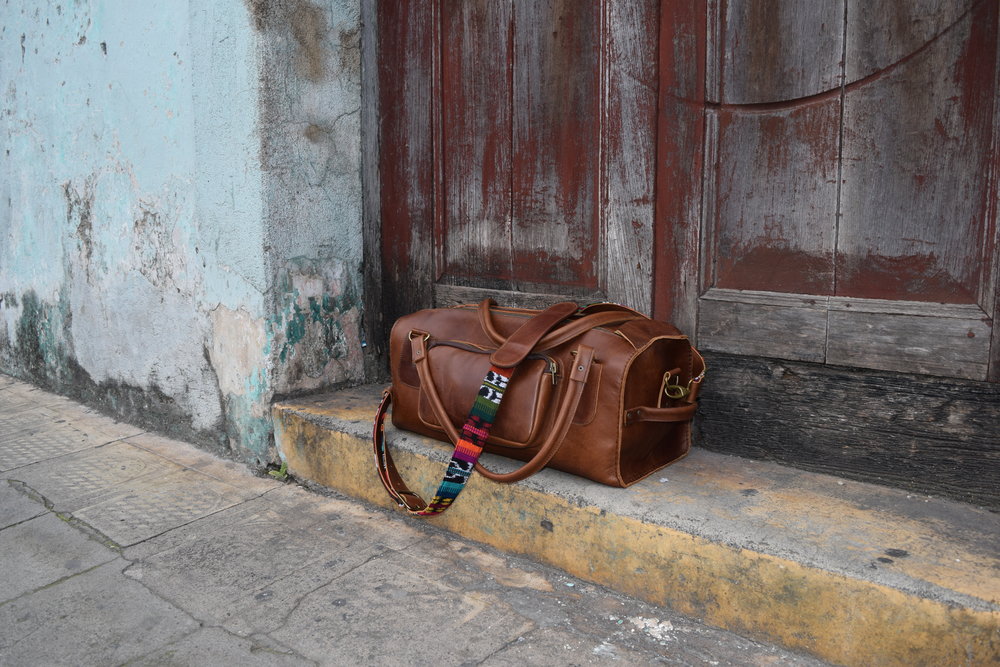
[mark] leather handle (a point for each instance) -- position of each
(681, 413)
(564, 413)
(565, 333)
(647, 414)
(520, 344)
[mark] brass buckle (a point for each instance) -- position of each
(427, 336)
(676, 391)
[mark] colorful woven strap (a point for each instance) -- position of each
(471, 441)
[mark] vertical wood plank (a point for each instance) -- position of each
(405, 75)
(916, 146)
(374, 330)
(777, 50)
(682, 53)
(777, 197)
(475, 93)
(992, 276)
(714, 51)
(556, 135)
(629, 131)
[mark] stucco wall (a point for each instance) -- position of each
(180, 207)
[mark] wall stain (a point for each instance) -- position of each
(315, 133)
(260, 12)
(309, 28)
(158, 257)
(80, 207)
(312, 337)
(42, 353)
(350, 51)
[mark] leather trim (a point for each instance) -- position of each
(588, 402)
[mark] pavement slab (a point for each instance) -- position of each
(257, 560)
(215, 646)
(98, 617)
(27, 445)
(44, 550)
(189, 456)
(21, 396)
(16, 507)
(148, 506)
(81, 478)
(391, 611)
(39, 431)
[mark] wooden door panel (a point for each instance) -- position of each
(884, 32)
(914, 202)
(518, 151)
(856, 225)
(476, 117)
(909, 337)
(556, 138)
(780, 50)
(764, 324)
(777, 198)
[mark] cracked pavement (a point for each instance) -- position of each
(124, 547)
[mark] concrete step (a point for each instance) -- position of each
(852, 573)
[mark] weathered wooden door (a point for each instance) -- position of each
(849, 185)
(810, 188)
(517, 151)
(814, 181)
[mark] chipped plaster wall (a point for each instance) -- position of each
(180, 208)
(311, 157)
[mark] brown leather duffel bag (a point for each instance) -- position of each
(602, 392)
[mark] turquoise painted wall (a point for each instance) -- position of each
(180, 207)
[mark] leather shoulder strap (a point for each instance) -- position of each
(523, 341)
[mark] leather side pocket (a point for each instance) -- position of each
(458, 374)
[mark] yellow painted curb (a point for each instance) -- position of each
(833, 616)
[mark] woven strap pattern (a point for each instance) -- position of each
(471, 442)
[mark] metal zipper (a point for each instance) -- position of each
(553, 365)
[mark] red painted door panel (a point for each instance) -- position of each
(916, 155)
(518, 145)
(520, 101)
(850, 195)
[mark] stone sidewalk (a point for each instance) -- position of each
(124, 547)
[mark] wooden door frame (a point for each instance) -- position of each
(373, 325)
